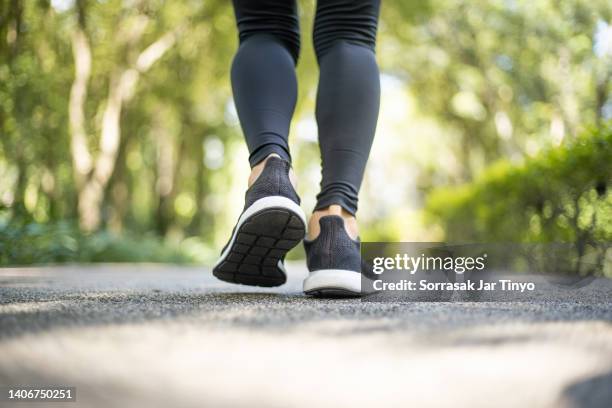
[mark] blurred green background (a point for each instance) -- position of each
(119, 140)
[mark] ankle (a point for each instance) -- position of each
(350, 222)
(258, 168)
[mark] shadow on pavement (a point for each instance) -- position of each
(593, 392)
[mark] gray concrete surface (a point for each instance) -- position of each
(160, 336)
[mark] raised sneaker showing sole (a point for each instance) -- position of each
(333, 283)
(265, 232)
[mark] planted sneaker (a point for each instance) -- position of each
(271, 224)
(334, 261)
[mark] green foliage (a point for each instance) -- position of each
(561, 195)
(28, 242)
(491, 78)
(503, 77)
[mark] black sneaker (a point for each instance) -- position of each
(334, 261)
(271, 223)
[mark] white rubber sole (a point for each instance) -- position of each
(271, 226)
(333, 282)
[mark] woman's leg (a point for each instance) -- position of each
(348, 101)
(265, 88)
(263, 74)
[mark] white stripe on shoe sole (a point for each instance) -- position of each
(257, 206)
(333, 279)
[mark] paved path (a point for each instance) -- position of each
(163, 336)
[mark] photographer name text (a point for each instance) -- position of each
(469, 285)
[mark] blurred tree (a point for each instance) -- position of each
(505, 77)
(32, 109)
(92, 174)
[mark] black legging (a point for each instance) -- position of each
(265, 86)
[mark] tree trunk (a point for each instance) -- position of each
(92, 193)
(166, 167)
(92, 175)
(81, 159)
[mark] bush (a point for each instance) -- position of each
(23, 242)
(562, 195)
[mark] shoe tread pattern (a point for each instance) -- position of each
(261, 242)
